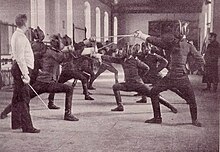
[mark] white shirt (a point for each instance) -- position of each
(22, 52)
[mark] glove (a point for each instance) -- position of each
(26, 79)
(141, 35)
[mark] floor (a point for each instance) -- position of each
(100, 130)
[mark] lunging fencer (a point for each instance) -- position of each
(156, 64)
(104, 64)
(179, 48)
(46, 80)
(70, 68)
(133, 81)
(39, 48)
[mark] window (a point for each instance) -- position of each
(70, 18)
(106, 26)
(87, 13)
(38, 14)
(98, 23)
(209, 15)
(115, 39)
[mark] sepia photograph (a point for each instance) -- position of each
(109, 75)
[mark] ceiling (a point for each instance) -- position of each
(154, 6)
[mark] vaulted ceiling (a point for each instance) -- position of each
(155, 6)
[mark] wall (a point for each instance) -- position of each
(78, 16)
(10, 8)
(128, 23)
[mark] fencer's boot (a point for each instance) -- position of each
(90, 87)
(193, 112)
(51, 104)
(156, 109)
(86, 93)
(6, 111)
(118, 101)
(215, 87)
(167, 104)
(68, 106)
(142, 100)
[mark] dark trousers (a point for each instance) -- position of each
(154, 79)
(54, 87)
(20, 102)
(183, 85)
(41, 87)
(102, 69)
(137, 87)
(68, 75)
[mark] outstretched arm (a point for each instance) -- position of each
(111, 59)
(159, 42)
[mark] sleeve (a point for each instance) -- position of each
(142, 65)
(196, 54)
(19, 55)
(162, 62)
(60, 56)
(111, 59)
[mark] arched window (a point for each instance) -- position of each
(106, 26)
(115, 39)
(38, 14)
(70, 18)
(87, 13)
(209, 16)
(98, 23)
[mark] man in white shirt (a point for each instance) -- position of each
(23, 58)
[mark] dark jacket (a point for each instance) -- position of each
(130, 67)
(212, 54)
(178, 54)
(50, 65)
(76, 59)
(155, 62)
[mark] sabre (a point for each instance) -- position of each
(110, 43)
(38, 96)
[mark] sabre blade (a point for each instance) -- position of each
(38, 96)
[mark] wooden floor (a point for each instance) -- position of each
(100, 130)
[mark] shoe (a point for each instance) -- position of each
(70, 117)
(3, 116)
(174, 110)
(31, 130)
(196, 123)
(88, 98)
(119, 108)
(141, 101)
(53, 106)
(154, 120)
(91, 88)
